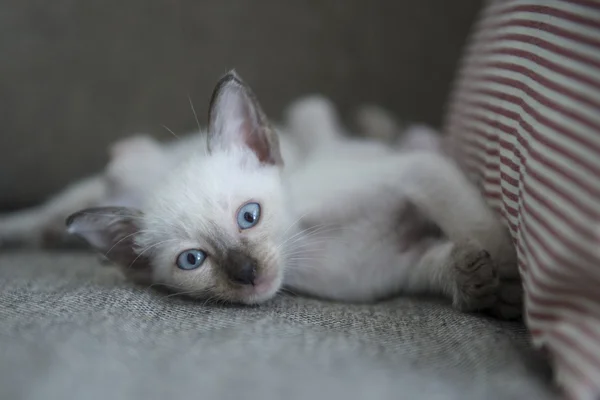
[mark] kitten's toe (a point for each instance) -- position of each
(477, 286)
(475, 278)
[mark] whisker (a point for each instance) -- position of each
(294, 223)
(306, 247)
(288, 293)
(194, 111)
(120, 240)
(148, 248)
(114, 216)
(306, 233)
(161, 284)
(181, 293)
(318, 229)
(170, 131)
(208, 300)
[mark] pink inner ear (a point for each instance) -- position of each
(237, 119)
(257, 142)
(255, 134)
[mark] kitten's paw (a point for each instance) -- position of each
(475, 278)
(376, 122)
(313, 119)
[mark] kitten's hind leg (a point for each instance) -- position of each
(377, 123)
(313, 122)
(463, 272)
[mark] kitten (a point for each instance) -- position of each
(348, 220)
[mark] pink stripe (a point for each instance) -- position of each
(587, 272)
(584, 352)
(583, 274)
(493, 181)
(544, 44)
(566, 290)
(554, 305)
(461, 104)
(555, 12)
(533, 113)
(551, 230)
(534, 155)
(581, 207)
(544, 62)
(573, 374)
(555, 211)
(543, 26)
(474, 76)
(569, 244)
(568, 308)
(584, 231)
(539, 157)
(580, 281)
(554, 274)
(593, 4)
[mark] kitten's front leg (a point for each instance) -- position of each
(466, 274)
(440, 190)
(463, 272)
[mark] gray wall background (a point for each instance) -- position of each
(77, 74)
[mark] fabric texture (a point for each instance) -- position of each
(71, 328)
(524, 120)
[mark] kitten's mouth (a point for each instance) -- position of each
(264, 288)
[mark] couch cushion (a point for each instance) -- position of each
(525, 119)
(72, 328)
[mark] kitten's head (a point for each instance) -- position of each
(215, 227)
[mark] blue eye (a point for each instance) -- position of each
(191, 259)
(248, 215)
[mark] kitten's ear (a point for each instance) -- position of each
(112, 231)
(236, 119)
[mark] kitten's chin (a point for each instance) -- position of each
(264, 289)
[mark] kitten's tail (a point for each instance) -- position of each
(44, 225)
(313, 121)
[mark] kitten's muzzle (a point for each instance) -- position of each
(240, 268)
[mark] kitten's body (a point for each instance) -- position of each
(368, 222)
(350, 220)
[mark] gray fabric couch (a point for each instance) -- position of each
(71, 328)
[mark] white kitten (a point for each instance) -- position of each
(345, 219)
(350, 220)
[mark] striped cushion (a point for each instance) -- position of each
(524, 121)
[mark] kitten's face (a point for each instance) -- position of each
(215, 230)
(216, 227)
